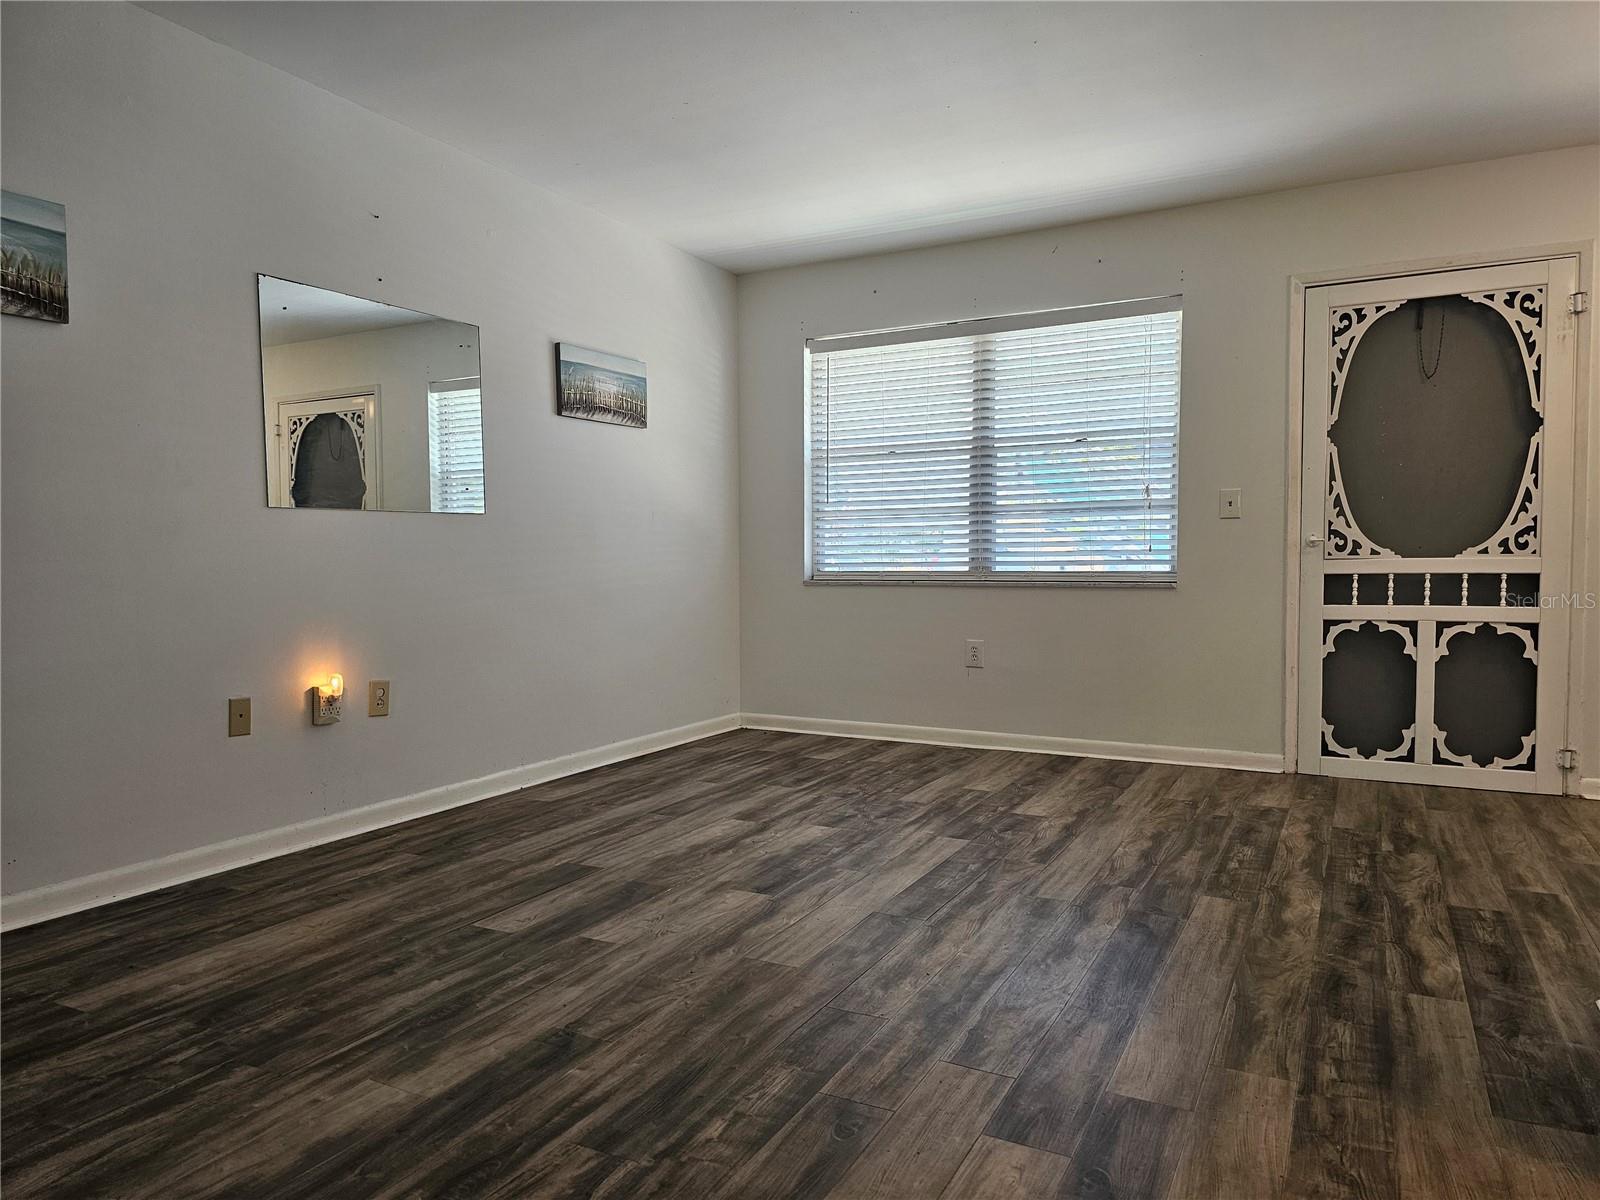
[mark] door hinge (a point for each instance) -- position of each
(1578, 302)
(1567, 759)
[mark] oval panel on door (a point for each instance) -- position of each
(1434, 426)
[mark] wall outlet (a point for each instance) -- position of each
(378, 698)
(1230, 503)
(239, 716)
(974, 652)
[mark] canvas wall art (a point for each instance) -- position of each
(595, 386)
(33, 257)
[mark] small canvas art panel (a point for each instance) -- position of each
(595, 386)
(33, 258)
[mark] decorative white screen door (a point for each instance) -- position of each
(1436, 527)
(359, 411)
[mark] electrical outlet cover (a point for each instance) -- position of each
(239, 716)
(378, 698)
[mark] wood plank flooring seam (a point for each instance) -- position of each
(1071, 984)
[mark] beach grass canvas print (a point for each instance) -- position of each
(595, 386)
(33, 257)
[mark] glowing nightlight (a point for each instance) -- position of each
(327, 701)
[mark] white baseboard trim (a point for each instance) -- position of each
(1238, 760)
(59, 899)
(1589, 788)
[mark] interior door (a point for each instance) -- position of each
(359, 415)
(1436, 527)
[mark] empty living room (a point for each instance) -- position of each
(799, 600)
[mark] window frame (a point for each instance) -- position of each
(971, 328)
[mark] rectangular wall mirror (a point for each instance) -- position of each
(368, 406)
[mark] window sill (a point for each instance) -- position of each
(1073, 581)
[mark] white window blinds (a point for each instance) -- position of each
(1041, 448)
(455, 446)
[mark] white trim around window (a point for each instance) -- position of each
(1034, 449)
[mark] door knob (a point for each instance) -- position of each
(1315, 539)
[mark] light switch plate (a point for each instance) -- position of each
(1230, 503)
(239, 716)
(378, 698)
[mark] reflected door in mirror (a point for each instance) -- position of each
(322, 449)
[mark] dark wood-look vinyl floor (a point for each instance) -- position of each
(779, 966)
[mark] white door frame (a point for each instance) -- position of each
(1585, 465)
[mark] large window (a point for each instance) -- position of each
(1041, 448)
(455, 446)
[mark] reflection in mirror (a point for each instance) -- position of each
(368, 406)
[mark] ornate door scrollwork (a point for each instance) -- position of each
(1429, 430)
(356, 418)
(1369, 671)
(1441, 461)
(1486, 676)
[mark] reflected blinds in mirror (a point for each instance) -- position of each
(455, 446)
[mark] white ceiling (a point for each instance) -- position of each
(298, 312)
(760, 134)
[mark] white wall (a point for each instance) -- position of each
(1197, 667)
(145, 581)
(400, 362)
